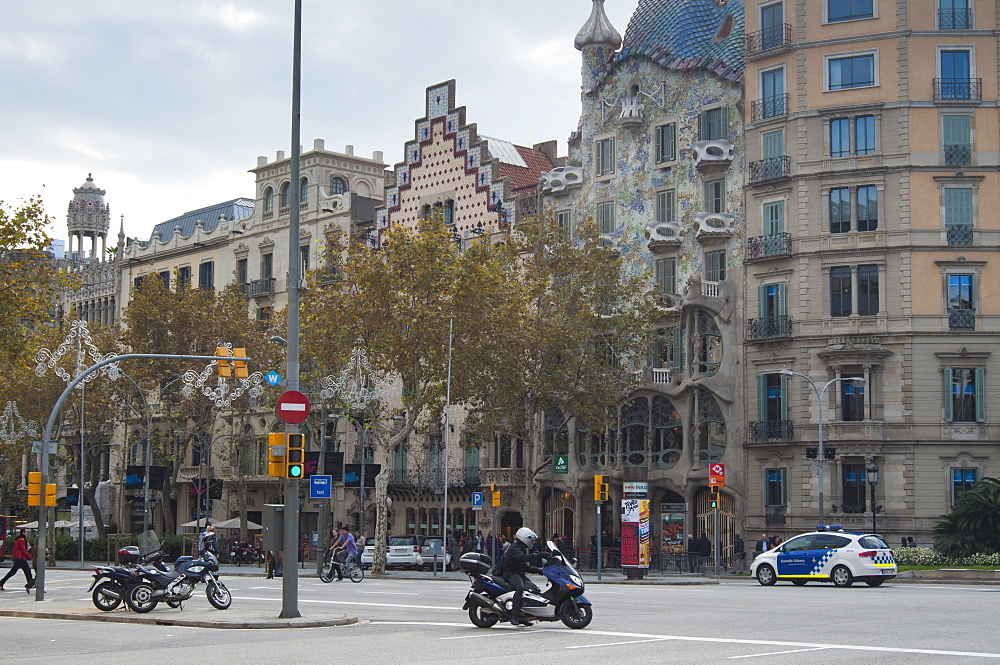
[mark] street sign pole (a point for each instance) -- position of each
(599, 553)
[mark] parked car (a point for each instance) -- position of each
(828, 554)
(368, 553)
(404, 552)
(430, 560)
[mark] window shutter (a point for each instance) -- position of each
(980, 395)
(956, 130)
(762, 397)
(702, 126)
(948, 401)
(762, 301)
(957, 206)
(784, 398)
(774, 144)
(781, 299)
(678, 342)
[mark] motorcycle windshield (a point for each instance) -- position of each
(148, 542)
(563, 559)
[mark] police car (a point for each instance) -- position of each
(828, 554)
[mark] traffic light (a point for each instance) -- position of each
(494, 495)
(35, 488)
(602, 488)
(240, 366)
(276, 454)
(50, 495)
(223, 367)
(295, 456)
(714, 498)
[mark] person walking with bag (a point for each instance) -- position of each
(20, 556)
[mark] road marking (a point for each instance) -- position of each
(503, 632)
(391, 593)
(349, 602)
(777, 653)
(615, 644)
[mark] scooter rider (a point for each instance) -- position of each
(518, 560)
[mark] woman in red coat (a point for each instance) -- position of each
(20, 555)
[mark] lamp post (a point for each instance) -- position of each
(820, 394)
(871, 471)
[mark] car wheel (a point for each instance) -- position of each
(874, 582)
(766, 576)
(841, 576)
(799, 582)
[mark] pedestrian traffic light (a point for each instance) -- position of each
(295, 456)
(276, 454)
(222, 366)
(50, 495)
(240, 366)
(494, 495)
(602, 488)
(714, 498)
(35, 488)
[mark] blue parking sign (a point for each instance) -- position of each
(477, 498)
(320, 487)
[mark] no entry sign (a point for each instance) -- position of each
(292, 407)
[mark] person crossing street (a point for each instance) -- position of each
(20, 556)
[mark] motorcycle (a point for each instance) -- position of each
(111, 583)
(490, 599)
(178, 585)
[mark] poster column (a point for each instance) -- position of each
(635, 530)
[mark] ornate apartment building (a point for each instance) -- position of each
(873, 152)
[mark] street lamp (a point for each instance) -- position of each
(872, 475)
(820, 394)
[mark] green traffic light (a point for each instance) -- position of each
(295, 472)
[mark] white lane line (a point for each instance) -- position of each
(615, 644)
(499, 633)
(390, 593)
(348, 602)
(777, 653)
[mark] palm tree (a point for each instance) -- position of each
(974, 523)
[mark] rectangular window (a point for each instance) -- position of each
(666, 142)
(605, 156)
(840, 210)
(206, 275)
(266, 266)
(962, 481)
(774, 218)
(958, 206)
(669, 348)
(715, 196)
(864, 135)
(956, 139)
(666, 210)
(165, 278)
(852, 398)
(265, 313)
(840, 137)
(954, 15)
(564, 218)
(606, 216)
(867, 207)
(183, 277)
(868, 301)
(713, 125)
(774, 492)
(666, 275)
(853, 71)
(304, 259)
(772, 406)
(773, 144)
(241, 271)
(840, 291)
(772, 89)
(960, 294)
(964, 402)
(853, 487)
(715, 266)
(956, 73)
(849, 10)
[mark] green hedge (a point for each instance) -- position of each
(927, 556)
(96, 549)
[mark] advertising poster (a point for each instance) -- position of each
(643, 533)
(630, 532)
(672, 523)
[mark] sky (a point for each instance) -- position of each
(169, 104)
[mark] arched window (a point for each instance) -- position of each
(556, 433)
(711, 427)
(635, 420)
(425, 212)
(707, 345)
(668, 435)
(268, 199)
(337, 185)
(285, 193)
(304, 190)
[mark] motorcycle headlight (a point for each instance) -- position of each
(576, 580)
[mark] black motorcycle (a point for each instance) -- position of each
(178, 585)
(111, 583)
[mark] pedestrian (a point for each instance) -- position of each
(909, 542)
(491, 545)
(593, 551)
(902, 542)
(739, 553)
(480, 544)
(692, 550)
(359, 543)
(704, 550)
(762, 545)
(20, 556)
(776, 541)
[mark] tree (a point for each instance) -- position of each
(973, 525)
(29, 283)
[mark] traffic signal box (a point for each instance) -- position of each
(714, 497)
(240, 366)
(602, 488)
(223, 368)
(276, 454)
(494, 495)
(35, 491)
(295, 456)
(231, 365)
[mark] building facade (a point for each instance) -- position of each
(873, 153)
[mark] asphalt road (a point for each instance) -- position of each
(421, 621)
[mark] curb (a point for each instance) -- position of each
(189, 623)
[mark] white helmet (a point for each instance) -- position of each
(526, 536)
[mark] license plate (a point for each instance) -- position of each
(887, 572)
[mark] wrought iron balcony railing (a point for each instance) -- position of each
(958, 154)
(959, 235)
(962, 319)
(258, 287)
(762, 431)
(771, 168)
(434, 479)
(764, 247)
(769, 107)
(769, 38)
(769, 327)
(775, 514)
(954, 19)
(958, 89)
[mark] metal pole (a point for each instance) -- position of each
(447, 458)
(822, 455)
(715, 536)
(874, 527)
(321, 520)
(361, 485)
(552, 491)
(599, 552)
(145, 477)
(290, 577)
(79, 498)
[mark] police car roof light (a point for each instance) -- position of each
(829, 527)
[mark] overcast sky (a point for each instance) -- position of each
(168, 104)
